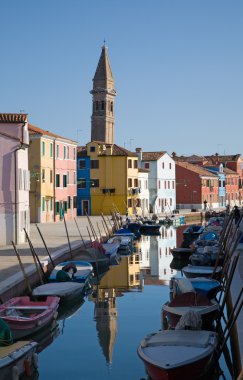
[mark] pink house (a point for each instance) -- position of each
(14, 178)
(65, 178)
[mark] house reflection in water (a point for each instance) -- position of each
(119, 279)
(156, 257)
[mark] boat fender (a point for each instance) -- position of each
(27, 368)
(15, 373)
(35, 360)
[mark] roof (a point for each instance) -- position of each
(196, 169)
(193, 158)
(117, 150)
(152, 156)
(224, 158)
(33, 130)
(230, 172)
(13, 118)
(103, 71)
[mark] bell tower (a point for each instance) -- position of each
(102, 119)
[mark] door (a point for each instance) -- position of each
(85, 207)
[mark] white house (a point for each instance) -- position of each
(143, 198)
(161, 180)
(14, 178)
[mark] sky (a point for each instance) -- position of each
(177, 66)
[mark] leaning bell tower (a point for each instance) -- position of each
(102, 119)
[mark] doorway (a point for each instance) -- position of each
(85, 207)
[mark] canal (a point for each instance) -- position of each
(98, 338)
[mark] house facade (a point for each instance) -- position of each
(53, 191)
(14, 178)
(113, 178)
(83, 182)
(161, 180)
(196, 187)
(143, 197)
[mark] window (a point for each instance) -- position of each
(57, 207)
(135, 164)
(159, 184)
(165, 184)
(43, 175)
(168, 184)
(81, 164)
(64, 152)
(135, 182)
(58, 151)
(68, 179)
(170, 201)
(129, 182)
(68, 152)
(112, 107)
(173, 184)
(170, 165)
(81, 183)
(92, 149)
(102, 105)
(94, 164)
(51, 150)
(51, 176)
(97, 105)
(57, 180)
(146, 165)
(94, 183)
(163, 165)
(65, 206)
(43, 203)
(129, 164)
(74, 178)
(43, 148)
(69, 202)
(51, 204)
(129, 202)
(64, 180)
(75, 201)
(74, 154)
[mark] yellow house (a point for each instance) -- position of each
(41, 166)
(113, 178)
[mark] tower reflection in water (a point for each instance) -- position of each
(119, 279)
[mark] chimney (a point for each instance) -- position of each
(139, 154)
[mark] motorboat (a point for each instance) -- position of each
(190, 301)
(25, 317)
(192, 271)
(77, 271)
(193, 231)
(125, 243)
(18, 359)
(111, 251)
(67, 291)
(177, 354)
(206, 286)
(181, 253)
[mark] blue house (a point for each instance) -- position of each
(219, 170)
(83, 182)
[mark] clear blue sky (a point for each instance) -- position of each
(178, 68)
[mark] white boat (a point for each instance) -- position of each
(125, 243)
(17, 360)
(191, 271)
(65, 290)
(177, 354)
(111, 252)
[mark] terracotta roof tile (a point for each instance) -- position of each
(195, 169)
(13, 118)
(152, 156)
(33, 130)
(223, 158)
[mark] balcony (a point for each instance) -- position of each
(134, 190)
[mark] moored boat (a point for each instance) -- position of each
(77, 271)
(192, 271)
(18, 359)
(176, 355)
(181, 253)
(150, 229)
(25, 317)
(206, 286)
(190, 301)
(67, 291)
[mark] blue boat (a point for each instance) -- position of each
(77, 271)
(206, 286)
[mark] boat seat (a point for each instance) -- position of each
(5, 351)
(199, 339)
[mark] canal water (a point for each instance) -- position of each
(98, 339)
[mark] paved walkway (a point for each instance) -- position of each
(55, 237)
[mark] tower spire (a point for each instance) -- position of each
(102, 120)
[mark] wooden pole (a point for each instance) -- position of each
(89, 235)
(99, 232)
(47, 250)
(107, 236)
(105, 224)
(80, 234)
(70, 249)
(22, 268)
(34, 258)
(92, 228)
